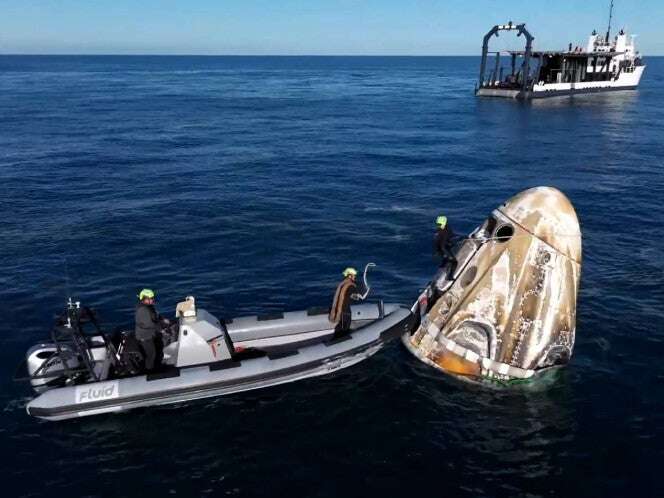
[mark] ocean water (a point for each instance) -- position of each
(250, 183)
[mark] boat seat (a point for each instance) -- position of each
(103, 369)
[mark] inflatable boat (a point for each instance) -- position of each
(85, 371)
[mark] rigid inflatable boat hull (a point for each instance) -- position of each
(219, 378)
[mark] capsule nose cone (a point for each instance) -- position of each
(547, 213)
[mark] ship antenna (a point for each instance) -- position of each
(67, 280)
(608, 30)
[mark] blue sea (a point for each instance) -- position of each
(251, 182)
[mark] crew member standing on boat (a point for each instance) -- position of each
(442, 244)
(340, 312)
(148, 328)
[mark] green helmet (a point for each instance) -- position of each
(350, 271)
(441, 221)
(146, 293)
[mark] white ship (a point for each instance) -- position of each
(605, 64)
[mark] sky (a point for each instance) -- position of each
(311, 27)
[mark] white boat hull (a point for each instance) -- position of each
(626, 81)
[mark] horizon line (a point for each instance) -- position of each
(225, 55)
(242, 55)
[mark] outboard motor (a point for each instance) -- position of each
(74, 355)
(47, 368)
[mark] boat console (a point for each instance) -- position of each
(201, 337)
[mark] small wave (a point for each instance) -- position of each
(396, 209)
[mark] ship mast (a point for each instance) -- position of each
(608, 30)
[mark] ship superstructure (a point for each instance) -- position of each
(604, 64)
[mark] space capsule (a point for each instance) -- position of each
(507, 310)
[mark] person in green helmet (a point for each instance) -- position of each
(340, 311)
(149, 324)
(442, 243)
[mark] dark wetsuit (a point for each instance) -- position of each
(340, 312)
(148, 328)
(442, 246)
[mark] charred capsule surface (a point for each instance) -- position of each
(509, 310)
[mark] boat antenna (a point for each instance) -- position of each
(608, 30)
(67, 280)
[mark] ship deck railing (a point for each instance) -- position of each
(565, 53)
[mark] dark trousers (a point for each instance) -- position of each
(150, 352)
(447, 258)
(343, 327)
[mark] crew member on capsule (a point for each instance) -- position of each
(442, 244)
(149, 324)
(340, 312)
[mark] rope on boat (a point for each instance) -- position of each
(367, 287)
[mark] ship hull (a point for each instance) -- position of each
(627, 81)
(527, 95)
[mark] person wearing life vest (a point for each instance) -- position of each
(442, 243)
(149, 324)
(340, 313)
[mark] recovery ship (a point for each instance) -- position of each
(604, 64)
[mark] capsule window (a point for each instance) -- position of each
(490, 224)
(468, 276)
(504, 233)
